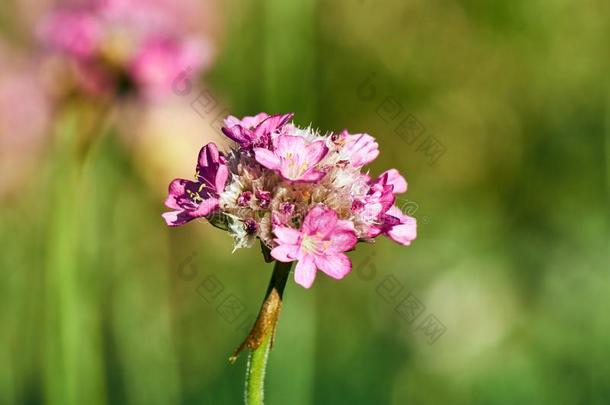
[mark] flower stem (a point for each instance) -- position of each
(255, 373)
(261, 336)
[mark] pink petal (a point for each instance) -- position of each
(387, 200)
(231, 121)
(173, 218)
(361, 149)
(238, 134)
(205, 208)
(394, 179)
(272, 123)
(286, 235)
(246, 122)
(177, 218)
(252, 122)
(309, 176)
(285, 253)
(208, 154)
(319, 219)
(342, 241)
(267, 158)
(221, 178)
(336, 266)
(305, 271)
(290, 144)
(405, 231)
(344, 225)
(373, 231)
(382, 193)
(175, 190)
(315, 152)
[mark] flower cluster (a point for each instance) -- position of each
(118, 45)
(303, 194)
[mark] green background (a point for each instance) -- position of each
(102, 303)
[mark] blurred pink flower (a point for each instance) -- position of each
(76, 33)
(160, 60)
(92, 78)
(118, 45)
(24, 120)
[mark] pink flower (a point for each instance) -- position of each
(380, 196)
(379, 199)
(294, 158)
(160, 60)
(393, 178)
(246, 122)
(120, 47)
(358, 149)
(194, 199)
(304, 194)
(255, 131)
(399, 227)
(75, 33)
(320, 244)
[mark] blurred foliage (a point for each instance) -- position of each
(101, 303)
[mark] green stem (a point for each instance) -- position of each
(255, 373)
(260, 339)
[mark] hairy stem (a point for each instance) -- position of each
(261, 336)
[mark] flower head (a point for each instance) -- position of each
(116, 46)
(301, 193)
